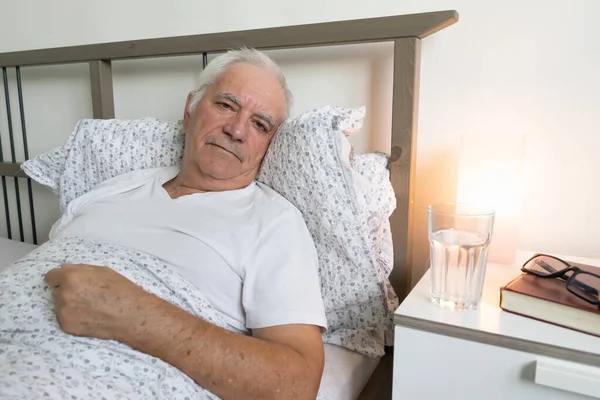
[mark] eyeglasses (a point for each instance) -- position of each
(582, 284)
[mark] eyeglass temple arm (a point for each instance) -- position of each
(585, 288)
(575, 282)
(546, 266)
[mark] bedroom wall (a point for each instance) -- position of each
(511, 75)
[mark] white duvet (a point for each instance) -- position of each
(39, 361)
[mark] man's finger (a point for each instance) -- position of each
(71, 266)
(54, 277)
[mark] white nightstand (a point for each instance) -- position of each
(489, 353)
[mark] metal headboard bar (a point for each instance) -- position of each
(5, 194)
(26, 153)
(6, 209)
(12, 152)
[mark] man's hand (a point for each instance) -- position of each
(94, 301)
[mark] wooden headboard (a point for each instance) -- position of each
(405, 31)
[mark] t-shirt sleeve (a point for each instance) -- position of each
(281, 284)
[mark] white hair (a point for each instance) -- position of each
(217, 66)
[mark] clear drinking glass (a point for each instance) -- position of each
(459, 237)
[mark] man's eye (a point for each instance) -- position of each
(224, 105)
(261, 126)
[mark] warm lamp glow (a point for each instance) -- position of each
(489, 173)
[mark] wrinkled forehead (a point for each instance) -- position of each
(255, 89)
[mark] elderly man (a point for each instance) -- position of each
(244, 246)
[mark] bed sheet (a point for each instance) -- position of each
(345, 373)
(12, 250)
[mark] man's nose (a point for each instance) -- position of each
(236, 127)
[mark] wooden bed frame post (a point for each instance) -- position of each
(407, 60)
(103, 103)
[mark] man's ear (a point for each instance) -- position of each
(186, 112)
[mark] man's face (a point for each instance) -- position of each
(228, 134)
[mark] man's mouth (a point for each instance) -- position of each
(227, 150)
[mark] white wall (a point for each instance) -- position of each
(507, 69)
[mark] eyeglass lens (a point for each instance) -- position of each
(544, 265)
(586, 285)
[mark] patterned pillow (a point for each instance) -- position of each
(346, 201)
(100, 149)
(380, 201)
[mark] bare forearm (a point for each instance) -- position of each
(230, 365)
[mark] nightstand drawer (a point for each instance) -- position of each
(569, 376)
(433, 366)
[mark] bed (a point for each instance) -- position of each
(347, 375)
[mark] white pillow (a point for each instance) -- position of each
(100, 149)
(346, 201)
(380, 200)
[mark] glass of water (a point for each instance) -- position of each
(459, 237)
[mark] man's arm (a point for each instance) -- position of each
(283, 362)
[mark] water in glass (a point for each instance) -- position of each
(459, 236)
(458, 259)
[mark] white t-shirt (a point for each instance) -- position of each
(248, 250)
